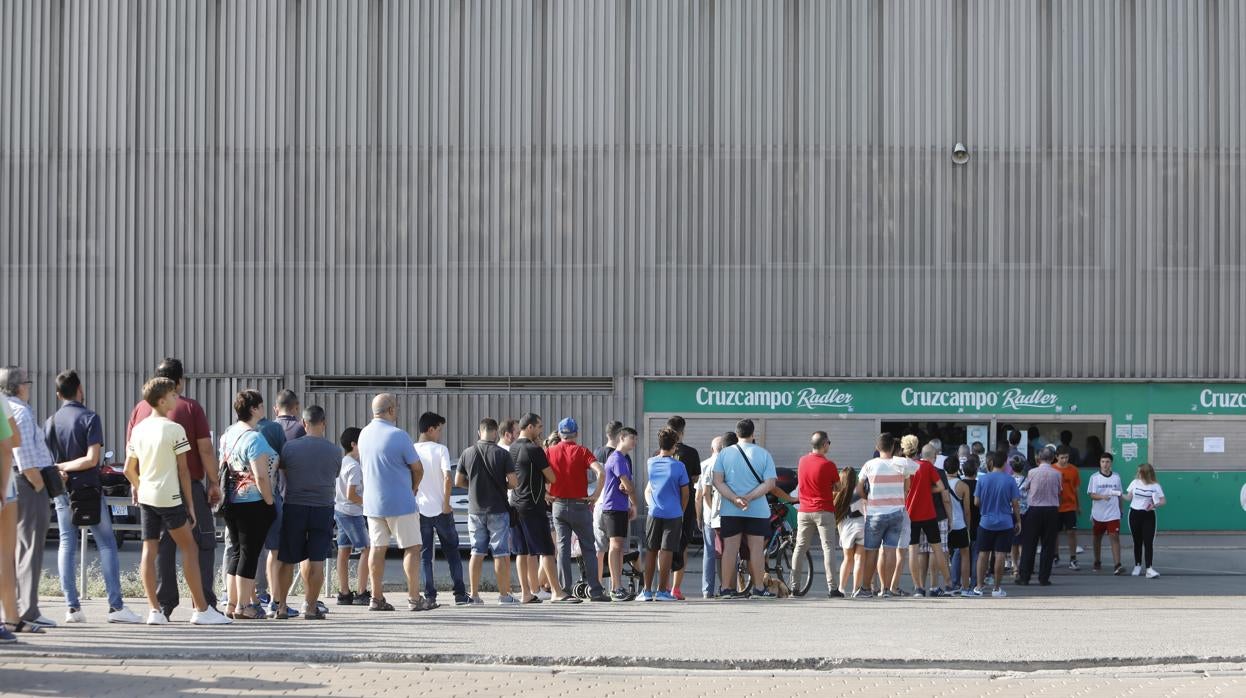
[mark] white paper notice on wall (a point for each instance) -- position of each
(1139, 431)
(1213, 444)
(1129, 451)
(1123, 431)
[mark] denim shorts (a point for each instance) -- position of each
(351, 531)
(490, 533)
(883, 530)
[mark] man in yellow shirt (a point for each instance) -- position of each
(160, 479)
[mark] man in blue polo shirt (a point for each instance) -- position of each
(743, 474)
(76, 439)
(391, 480)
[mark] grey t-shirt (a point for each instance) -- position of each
(311, 465)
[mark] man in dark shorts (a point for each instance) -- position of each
(691, 459)
(311, 464)
(618, 506)
(534, 544)
(999, 500)
(667, 496)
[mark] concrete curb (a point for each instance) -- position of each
(627, 662)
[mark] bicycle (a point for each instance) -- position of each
(778, 556)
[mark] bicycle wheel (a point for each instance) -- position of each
(801, 586)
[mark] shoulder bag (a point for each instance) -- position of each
(226, 476)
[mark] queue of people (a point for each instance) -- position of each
(287, 491)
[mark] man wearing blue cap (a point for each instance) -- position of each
(573, 507)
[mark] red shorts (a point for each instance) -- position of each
(1101, 527)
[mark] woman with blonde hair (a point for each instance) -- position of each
(1144, 496)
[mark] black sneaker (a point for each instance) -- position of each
(731, 594)
(363, 598)
(347, 599)
(599, 598)
(463, 600)
(1118, 571)
(380, 605)
(834, 594)
(764, 594)
(621, 595)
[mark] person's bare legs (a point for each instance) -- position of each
(666, 560)
(939, 565)
(729, 561)
(147, 571)
(376, 569)
(999, 570)
(916, 569)
(1116, 548)
(502, 570)
(343, 569)
(1072, 544)
(279, 584)
(521, 571)
(897, 569)
(549, 571)
(411, 569)
(313, 580)
(616, 562)
(756, 560)
(475, 567)
(365, 569)
(651, 564)
(8, 563)
(847, 565)
(189, 550)
(889, 568)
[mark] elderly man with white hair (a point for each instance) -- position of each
(34, 512)
(391, 478)
(707, 519)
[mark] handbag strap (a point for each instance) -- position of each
(749, 463)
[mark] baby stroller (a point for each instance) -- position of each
(632, 572)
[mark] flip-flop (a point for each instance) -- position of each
(534, 599)
(568, 600)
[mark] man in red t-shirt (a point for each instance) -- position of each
(201, 461)
(925, 523)
(817, 479)
(573, 507)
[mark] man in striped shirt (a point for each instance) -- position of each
(884, 510)
(1042, 519)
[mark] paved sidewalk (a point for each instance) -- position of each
(128, 679)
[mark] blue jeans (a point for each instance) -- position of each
(448, 536)
(68, 557)
(883, 530)
(709, 563)
(573, 518)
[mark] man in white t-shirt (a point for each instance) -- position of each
(888, 479)
(707, 519)
(436, 514)
(1105, 511)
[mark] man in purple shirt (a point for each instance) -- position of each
(619, 507)
(1042, 520)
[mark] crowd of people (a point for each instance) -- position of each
(561, 513)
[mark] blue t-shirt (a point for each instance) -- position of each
(385, 457)
(241, 446)
(666, 476)
(740, 479)
(995, 493)
(618, 465)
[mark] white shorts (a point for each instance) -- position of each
(404, 529)
(851, 532)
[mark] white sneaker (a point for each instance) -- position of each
(544, 595)
(75, 615)
(44, 621)
(155, 617)
(124, 615)
(999, 593)
(209, 616)
(1137, 570)
(1151, 573)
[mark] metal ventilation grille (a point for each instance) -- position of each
(478, 384)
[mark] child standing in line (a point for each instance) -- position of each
(1145, 496)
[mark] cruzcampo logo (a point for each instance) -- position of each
(1013, 399)
(1222, 399)
(811, 399)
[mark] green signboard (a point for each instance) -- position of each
(1126, 407)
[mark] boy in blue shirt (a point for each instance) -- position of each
(999, 501)
(667, 495)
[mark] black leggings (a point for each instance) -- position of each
(248, 526)
(1142, 526)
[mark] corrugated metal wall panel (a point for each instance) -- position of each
(610, 187)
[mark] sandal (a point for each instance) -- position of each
(249, 613)
(380, 605)
(22, 626)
